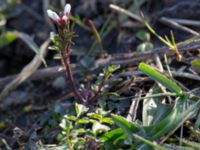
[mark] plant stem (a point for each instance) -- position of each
(98, 92)
(66, 61)
(68, 140)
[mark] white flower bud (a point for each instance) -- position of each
(67, 9)
(65, 18)
(53, 15)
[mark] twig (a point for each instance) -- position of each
(168, 68)
(134, 58)
(160, 66)
(26, 71)
(40, 74)
(186, 21)
(174, 73)
(172, 23)
(133, 108)
(186, 75)
(158, 63)
(125, 59)
(128, 13)
(6, 144)
(126, 85)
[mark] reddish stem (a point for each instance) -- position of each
(66, 60)
(98, 92)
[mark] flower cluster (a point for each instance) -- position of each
(62, 18)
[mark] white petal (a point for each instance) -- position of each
(67, 9)
(53, 15)
(65, 18)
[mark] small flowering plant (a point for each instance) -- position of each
(63, 41)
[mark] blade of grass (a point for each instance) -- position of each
(156, 146)
(166, 42)
(29, 42)
(97, 35)
(146, 69)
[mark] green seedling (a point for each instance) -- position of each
(171, 44)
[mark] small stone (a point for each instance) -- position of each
(59, 83)
(16, 98)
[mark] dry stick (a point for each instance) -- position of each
(186, 75)
(128, 13)
(158, 63)
(6, 144)
(26, 72)
(40, 74)
(160, 66)
(125, 59)
(126, 85)
(174, 24)
(135, 58)
(186, 21)
(133, 108)
(174, 73)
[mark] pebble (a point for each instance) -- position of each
(60, 83)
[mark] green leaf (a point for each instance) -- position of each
(146, 69)
(102, 112)
(113, 136)
(58, 44)
(197, 123)
(97, 35)
(148, 142)
(165, 41)
(143, 35)
(153, 110)
(174, 120)
(99, 128)
(32, 45)
(196, 65)
(107, 120)
(81, 130)
(66, 125)
(83, 120)
(29, 41)
(6, 39)
(128, 127)
(191, 144)
(71, 118)
(144, 47)
(80, 109)
(111, 69)
(95, 116)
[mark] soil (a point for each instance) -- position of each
(28, 113)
